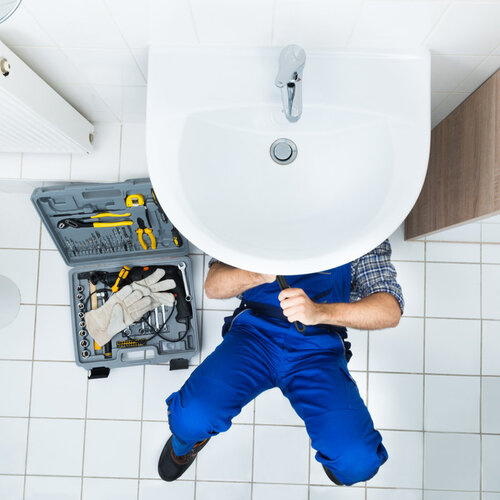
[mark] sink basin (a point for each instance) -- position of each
(362, 150)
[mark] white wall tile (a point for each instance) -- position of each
(212, 325)
(55, 447)
(398, 349)
(225, 21)
(223, 491)
(491, 478)
(109, 489)
(386, 494)
(399, 25)
(21, 267)
(362, 382)
(127, 103)
(491, 347)
(271, 407)
(47, 243)
(490, 254)
(470, 232)
(492, 219)
(112, 448)
(10, 165)
(287, 465)
(51, 64)
(395, 400)
(490, 410)
(448, 71)
(54, 334)
(452, 346)
(68, 488)
(451, 403)
(453, 252)
(453, 290)
(53, 287)
(280, 492)
(78, 23)
(451, 461)
(359, 349)
(437, 98)
(171, 23)
(445, 108)
(13, 435)
(153, 490)
(159, 383)
(118, 396)
(46, 166)
(491, 291)
(11, 236)
(490, 233)
(490, 496)
(411, 278)
(403, 469)
(467, 28)
(225, 444)
(12, 486)
(451, 495)
(132, 20)
(87, 101)
(16, 339)
(315, 23)
(103, 162)
(106, 66)
(15, 394)
(133, 163)
(59, 390)
(405, 250)
(317, 473)
(480, 74)
(23, 29)
(332, 493)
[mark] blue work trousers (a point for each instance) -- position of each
(260, 353)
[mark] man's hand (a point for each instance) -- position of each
(297, 306)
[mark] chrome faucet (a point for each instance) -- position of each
(289, 80)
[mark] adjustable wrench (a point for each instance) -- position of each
(182, 269)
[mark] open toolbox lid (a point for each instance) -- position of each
(99, 223)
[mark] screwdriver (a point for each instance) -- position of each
(283, 285)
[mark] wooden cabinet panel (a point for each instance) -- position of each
(463, 178)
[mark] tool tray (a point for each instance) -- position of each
(97, 248)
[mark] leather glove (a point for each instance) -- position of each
(129, 305)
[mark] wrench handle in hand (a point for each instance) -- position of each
(283, 284)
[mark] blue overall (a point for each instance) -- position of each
(261, 350)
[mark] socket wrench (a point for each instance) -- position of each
(182, 269)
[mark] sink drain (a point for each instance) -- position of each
(283, 151)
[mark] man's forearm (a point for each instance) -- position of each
(377, 311)
(224, 282)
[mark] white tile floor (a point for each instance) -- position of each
(432, 385)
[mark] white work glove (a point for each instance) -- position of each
(129, 305)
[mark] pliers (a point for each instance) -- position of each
(77, 223)
(140, 234)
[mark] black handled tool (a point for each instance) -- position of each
(283, 284)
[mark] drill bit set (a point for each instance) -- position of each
(112, 235)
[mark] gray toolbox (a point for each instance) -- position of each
(99, 229)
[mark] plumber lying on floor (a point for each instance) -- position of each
(262, 349)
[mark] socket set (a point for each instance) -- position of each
(99, 229)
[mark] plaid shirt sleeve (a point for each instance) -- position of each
(374, 272)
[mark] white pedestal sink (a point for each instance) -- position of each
(362, 151)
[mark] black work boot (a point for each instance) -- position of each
(170, 466)
(332, 477)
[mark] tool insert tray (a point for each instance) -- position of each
(98, 229)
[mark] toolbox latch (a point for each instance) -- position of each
(99, 372)
(179, 364)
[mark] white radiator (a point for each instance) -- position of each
(34, 118)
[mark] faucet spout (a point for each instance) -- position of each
(289, 79)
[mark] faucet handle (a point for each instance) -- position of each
(291, 64)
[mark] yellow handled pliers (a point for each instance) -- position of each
(140, 235)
